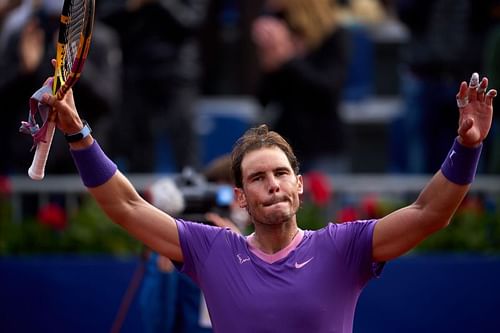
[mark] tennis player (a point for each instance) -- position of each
(282, 278)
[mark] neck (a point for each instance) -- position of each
(273, 238)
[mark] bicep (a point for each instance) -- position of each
(397, 233)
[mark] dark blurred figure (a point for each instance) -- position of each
(304, 54)
(492, 68)
(6, 6)
(161, 67)
(25, 64)
(446, 43)
(228, 53)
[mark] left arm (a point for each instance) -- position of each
(404, 229)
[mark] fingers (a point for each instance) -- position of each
(462, 98)
(48, 99)
(483, 86)
(492, 93)
(474, 91)
(473, 86)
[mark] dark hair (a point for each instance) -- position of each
(219, 170)
(257, 138)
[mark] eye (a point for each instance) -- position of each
(281, 173)
(257, 178)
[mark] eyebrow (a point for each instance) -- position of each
(258, 173)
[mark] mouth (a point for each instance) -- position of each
(273, 202)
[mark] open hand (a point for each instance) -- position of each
(274, 41)
(476, 110)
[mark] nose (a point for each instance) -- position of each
(273, 184)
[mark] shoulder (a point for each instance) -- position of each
(209, 233)
(344, 231)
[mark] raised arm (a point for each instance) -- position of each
(402, 230)
(112, 190)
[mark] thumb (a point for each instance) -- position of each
(48, 99)
(465, 127)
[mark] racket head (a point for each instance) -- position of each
(73, 43)
(75, 33)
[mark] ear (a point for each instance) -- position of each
(300, 184)
(240, 197)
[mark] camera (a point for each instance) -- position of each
(189, 196)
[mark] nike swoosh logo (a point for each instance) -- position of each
(453, 152)
(302, 264)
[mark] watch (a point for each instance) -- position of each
(84, 132)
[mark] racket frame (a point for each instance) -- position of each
(61, 85)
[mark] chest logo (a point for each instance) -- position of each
(241, 259)
(302, 264)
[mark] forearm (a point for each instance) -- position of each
(404, 229)
(444, 193)
(122, 203)
(437, 202)
(113, 192)
(117, 198)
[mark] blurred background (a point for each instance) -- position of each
(363, 89)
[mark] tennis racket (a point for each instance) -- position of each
(73, 43)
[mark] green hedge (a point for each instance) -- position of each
(475, 227)
(87, 231)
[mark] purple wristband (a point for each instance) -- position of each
(94, 166)
(460, 165)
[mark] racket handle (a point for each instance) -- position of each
(37, 168)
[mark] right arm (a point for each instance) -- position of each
(117, 197)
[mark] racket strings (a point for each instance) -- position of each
(73, 35)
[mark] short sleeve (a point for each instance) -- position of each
(354, 242)
(196, 241)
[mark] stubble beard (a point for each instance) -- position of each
(275, 217)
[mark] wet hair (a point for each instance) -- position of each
(256, 138)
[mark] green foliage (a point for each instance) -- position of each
(88, 231)
(474, 228)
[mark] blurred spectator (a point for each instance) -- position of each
(161, 68)
(303, 53)
(25, 64)
(229, 60)
(6, 6)
(169, 300)
(492, 67)
(446, 44)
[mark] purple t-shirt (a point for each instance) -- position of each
(313, 289)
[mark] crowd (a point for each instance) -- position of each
(151, 61)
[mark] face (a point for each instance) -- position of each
(270, 190)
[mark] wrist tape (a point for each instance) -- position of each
(94, 166)
(460, 165)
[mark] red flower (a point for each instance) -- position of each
(53, 216)
(347, 214)
(318, 185)
(369, 205)
(472, 204)
(5, 185)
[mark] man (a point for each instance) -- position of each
(281, 278)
